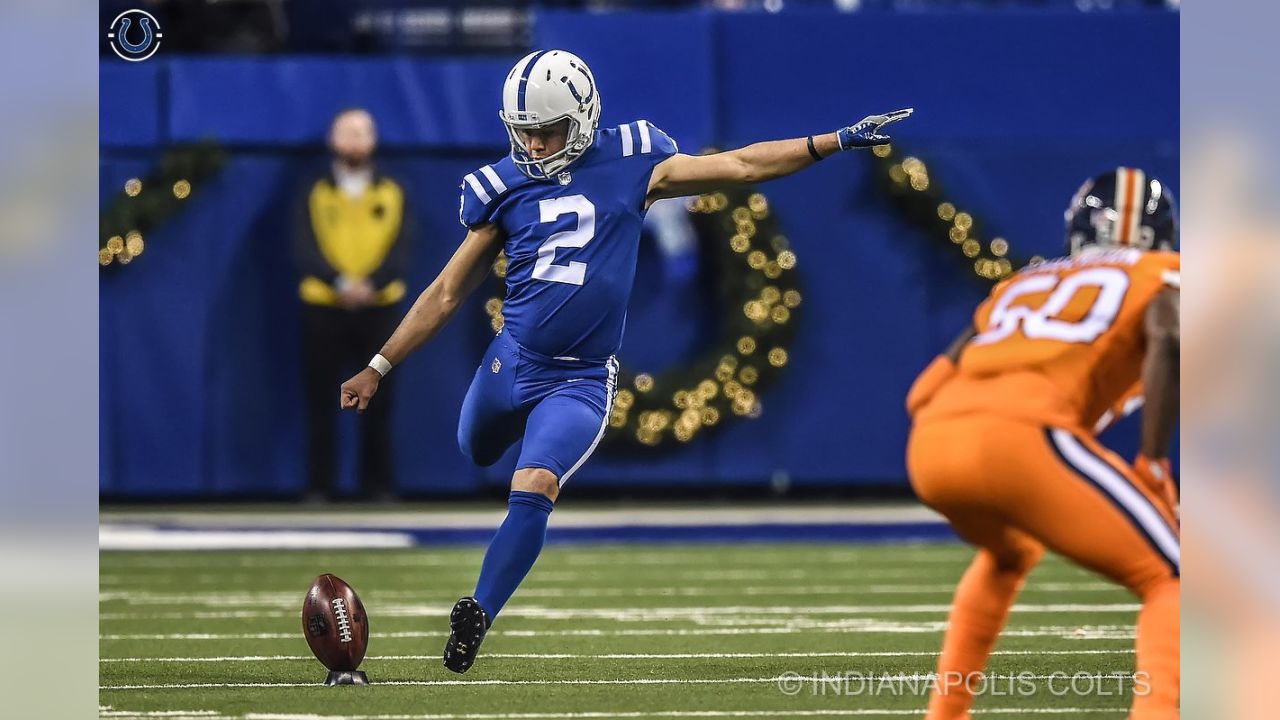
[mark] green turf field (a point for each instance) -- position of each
(600, 632)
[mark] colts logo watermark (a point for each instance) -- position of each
(134, 35)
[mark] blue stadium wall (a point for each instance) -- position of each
(200, 368)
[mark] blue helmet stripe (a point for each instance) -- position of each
(591, 86)
(524, 80)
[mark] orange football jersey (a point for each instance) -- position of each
(1061, 342)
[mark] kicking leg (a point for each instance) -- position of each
(519, 539)
(511, 554)
(563, 430)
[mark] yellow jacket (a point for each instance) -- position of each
(355, 237)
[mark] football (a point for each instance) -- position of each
(335, 624)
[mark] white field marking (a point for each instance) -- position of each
(825, 574)
(616, 656)
(877, 555)
(488, 515)
(235, 576)
(885, 628)
(684, 613)
(863, 626)
(731, 616)
(550, 579)
(143, 597)
(887, 677)
(714, 556)
(703, 615)
(799, 574)
(290, 600)
(152, 561)
(852, 589)
(588, 715)
(862, 712)
(152, 539)
(128, 714)
(108, 711)
(197, 615)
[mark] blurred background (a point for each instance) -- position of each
(809, 303)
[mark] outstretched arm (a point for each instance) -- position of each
(681, 175)
(460, 277)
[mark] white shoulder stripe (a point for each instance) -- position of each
(478, 188)
(1172, 278)
(645, 144)
(627, 150)
(498, 186)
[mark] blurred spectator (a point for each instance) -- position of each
(350, 247)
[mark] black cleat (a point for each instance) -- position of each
(468, 624)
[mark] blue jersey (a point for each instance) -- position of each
(571, 240)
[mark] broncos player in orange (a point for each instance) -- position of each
(1003, 438)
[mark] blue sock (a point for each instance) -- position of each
(513, 550)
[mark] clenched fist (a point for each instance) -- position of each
(359, 390)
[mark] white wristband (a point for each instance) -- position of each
(381, 364)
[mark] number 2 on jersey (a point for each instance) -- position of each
(545, 268)
(1042, 323)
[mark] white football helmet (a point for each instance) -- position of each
(544, 88)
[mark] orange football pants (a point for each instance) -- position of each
(1012, 488)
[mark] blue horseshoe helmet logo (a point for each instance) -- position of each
(147, 35)
(135, 21)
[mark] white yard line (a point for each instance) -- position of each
(861, 712)
(145, 597)
(121, 537)
(790, 678)
(867, 625)
(109, 712)
(437, 683)
(700, 615)
(233, 576)
(616, 656)
(290, 601)
(716, 556)
(489, 517)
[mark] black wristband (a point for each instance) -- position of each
(813, 151)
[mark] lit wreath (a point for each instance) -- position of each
(133, 212)
(919, 198)
(758, 287)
